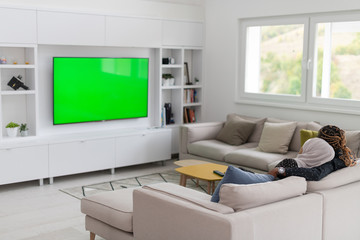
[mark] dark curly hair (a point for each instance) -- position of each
(336, 138)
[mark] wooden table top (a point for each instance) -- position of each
(203, 171)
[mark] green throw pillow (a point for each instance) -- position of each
(306, 135)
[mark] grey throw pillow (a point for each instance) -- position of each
(236, 131)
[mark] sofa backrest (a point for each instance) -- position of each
(336, 179)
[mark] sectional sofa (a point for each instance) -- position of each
(281, 210)
(290, 208)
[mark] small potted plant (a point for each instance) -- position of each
(12, 129)
(168, 79)
(24, 130)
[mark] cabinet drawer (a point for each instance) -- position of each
(182, 33)
(17, 26)
(71, 29)
(81, 156)
(143, 148)
(132, 32)
(23, 164)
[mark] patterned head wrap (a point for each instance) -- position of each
(336, 138)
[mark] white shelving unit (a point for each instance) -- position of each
(181, 96)
(18, 105)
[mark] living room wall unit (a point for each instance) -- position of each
(35, 36)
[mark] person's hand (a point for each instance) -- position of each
(274, 172)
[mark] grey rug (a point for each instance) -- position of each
(170, 176)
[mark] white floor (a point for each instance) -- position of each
(32, 212)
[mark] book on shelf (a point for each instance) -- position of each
(190, 95)
(189, 115)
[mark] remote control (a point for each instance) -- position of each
(221, 174)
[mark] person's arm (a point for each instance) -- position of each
(311, 174)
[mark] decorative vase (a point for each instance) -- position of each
(24, 133)
(12, 132)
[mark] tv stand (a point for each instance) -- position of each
(50, 157)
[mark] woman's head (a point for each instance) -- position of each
(333, 135)
(336, 138)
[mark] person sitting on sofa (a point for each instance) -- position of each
(337, 156)
(344, 157)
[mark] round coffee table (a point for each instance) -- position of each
(202, 172)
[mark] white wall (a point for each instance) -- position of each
(175, 9)
(221, 51)
(45, 86)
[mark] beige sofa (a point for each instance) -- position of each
(288, 209)
(198, 141)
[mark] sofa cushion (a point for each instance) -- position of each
(295, 141)
(256, 134)
(245, 196)
(306, 135)
(237, 176)
(353, 141)
(114, 208)
(214, 149)
(254, 158)
(236, 131)
(336, 179)
(276, 137)
(189, 195)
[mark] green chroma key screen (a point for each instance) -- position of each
(97, 89)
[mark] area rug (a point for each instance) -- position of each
(169, 176)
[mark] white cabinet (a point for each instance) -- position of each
(81, 156)
(23, 164)
(176, 33)
(71, 28)
(19, 105)
(133, 32)
(17, 26)
(149, 146)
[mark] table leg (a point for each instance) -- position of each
(213, 187)
(183, 180)
(209, 187)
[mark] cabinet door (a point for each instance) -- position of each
(17, 26)
(182, 33)
(81, 156)
(143, 148)
(23, 164)
(132, 32)
(71, 29)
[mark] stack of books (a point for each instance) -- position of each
(189, 115)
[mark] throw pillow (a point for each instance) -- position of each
(276, 137)
(306, 135)
(237, 176)
(240, 197)
(236, 131)
(256, 134)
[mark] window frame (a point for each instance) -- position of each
(243, 25)
(306, 100)
(336, 103)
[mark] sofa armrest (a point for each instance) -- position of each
(197, 132)
(158, 216)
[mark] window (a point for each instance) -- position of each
(308, 59)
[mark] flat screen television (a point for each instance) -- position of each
(98, 89)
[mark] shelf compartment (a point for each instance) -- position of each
(28, 77)
(19, 109)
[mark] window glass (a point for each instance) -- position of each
(273, 59)
(337, 60)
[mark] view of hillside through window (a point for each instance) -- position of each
(276, 59)
(338, 60)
